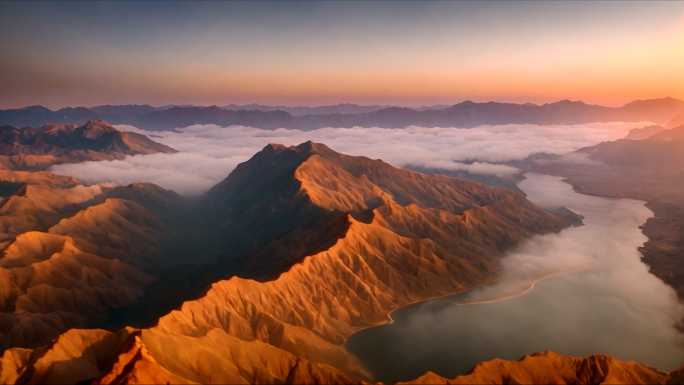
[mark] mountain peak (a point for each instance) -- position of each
(68, 143)
(36, 108)
(94, 129)
(569, 102)
(302, 148)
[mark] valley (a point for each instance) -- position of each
(532, 305)
(647, 169)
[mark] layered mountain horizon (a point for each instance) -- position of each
(466, 114)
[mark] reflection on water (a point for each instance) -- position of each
(606, 303)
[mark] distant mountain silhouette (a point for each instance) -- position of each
(342, 108)
(35, 116)
(37, 148)
(467, 114)
(676, 121)
(643, 132)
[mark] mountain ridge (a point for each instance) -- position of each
(285, 290)
(52, 143)
(466, 114)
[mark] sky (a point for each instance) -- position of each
(292, 53)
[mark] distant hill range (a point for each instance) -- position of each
(342, 108)
(466, 115)
(52, 143)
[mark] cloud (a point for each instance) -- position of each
(614, 306)
(185, 173)
(209, 153)
(500, 170)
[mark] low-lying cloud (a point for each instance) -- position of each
(209, 153)
(607, 304)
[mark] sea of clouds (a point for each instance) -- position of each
(208, 153)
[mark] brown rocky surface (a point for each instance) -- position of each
(367, 239)
(551, 368)
(38, 148)
(338, 245)
(70, 253)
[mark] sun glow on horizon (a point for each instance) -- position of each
(408, 54)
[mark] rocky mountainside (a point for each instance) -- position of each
(552, 368)
(296, 250)
(122, 358)
(318, 244)
(36, 149)
(72, 252)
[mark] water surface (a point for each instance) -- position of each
(606, 301)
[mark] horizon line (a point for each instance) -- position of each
(222, 105)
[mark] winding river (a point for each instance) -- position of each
(582, 291)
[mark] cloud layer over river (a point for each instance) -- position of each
(614, 306)
(209, 153)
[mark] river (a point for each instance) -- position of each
(579, 292)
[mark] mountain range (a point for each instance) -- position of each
(262, 279)
(52, 143)
(466, 114)
(342, 108)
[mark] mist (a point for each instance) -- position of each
(606, 303)
(209, 153)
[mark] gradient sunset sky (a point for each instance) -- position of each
(60, 54)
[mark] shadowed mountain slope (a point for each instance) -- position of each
(71, 253)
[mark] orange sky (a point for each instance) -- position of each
(321, 53)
